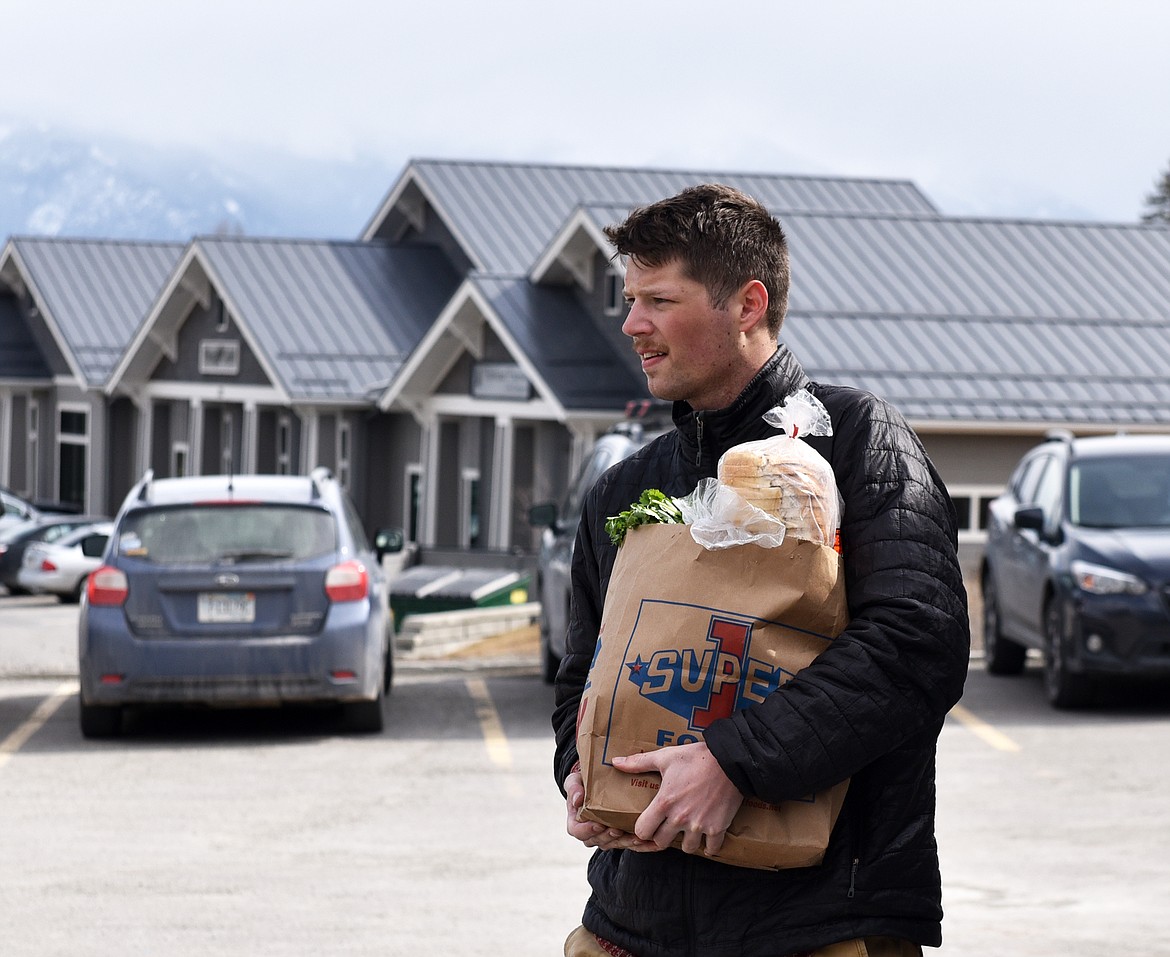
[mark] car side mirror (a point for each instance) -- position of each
(94, 546)
(388, 541)
(1031, 517)
(543, 515)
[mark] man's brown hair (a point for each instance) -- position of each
(722, 238)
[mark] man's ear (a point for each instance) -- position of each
(753, 303)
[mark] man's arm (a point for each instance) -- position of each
(900, 664)
(585, 606)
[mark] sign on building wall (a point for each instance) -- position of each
(499, 380)
(219, 357)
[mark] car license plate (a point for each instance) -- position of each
(226, 607)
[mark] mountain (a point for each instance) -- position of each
(56, 182)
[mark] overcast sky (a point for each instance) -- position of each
(1050, 108)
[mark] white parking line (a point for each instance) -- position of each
(981, 729)
(33, 723)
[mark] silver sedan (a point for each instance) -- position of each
(61, 568)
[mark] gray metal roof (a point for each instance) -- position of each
(506, 213)
(960, 267)
(556, 334)
(335, 319)
(95, 293)
(958, 319)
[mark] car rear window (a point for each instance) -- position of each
(228, 533)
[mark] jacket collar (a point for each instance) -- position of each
(704, 436)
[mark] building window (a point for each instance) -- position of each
(972, 503)
(284, 446)
(615, 300)
(179, 457)
(344, 445)
(469, 517)
(227, 441)
(413, 509)
(33, 469)
(72, 455)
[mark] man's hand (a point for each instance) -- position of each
(590, 833)
(696, 799)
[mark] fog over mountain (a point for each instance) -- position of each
(58, 182)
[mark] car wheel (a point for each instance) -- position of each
(73, 597)
(1064, 688)
(365, 717)
(100, 720)
(1002, 655)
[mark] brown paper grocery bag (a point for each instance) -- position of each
(688, 636)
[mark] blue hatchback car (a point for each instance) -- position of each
(236, 591)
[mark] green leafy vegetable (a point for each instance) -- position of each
(652, 507)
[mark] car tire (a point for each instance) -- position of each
(365, 717)
(1064, 688)
(101, 720)
(74, 597)
(1001, 655)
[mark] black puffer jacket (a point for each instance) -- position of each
(869, 708)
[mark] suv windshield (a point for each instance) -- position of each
(1122, 492)
(227, 533)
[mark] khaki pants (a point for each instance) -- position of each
(581, 943)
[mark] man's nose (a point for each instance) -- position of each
(635, 323)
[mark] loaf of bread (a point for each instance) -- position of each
(789, 479)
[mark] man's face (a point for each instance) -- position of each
(688, 347)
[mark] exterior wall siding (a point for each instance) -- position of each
(123, 443)
(18, 471)
(202, 325)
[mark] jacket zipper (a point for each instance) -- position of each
(698, 440)
(853, 877)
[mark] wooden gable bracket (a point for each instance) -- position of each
(199, 289)
(577, 257)
(467, 329)
(413, 207)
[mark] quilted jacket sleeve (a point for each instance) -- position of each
(901, 662)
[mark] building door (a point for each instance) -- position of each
(72, 456)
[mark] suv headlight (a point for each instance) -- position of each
(1100, 580)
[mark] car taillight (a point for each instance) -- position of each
(348, 581)
(107, 586)
(48, 566)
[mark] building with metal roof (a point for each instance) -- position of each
(67, 309)
(455, 363)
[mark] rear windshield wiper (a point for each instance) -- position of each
(254, 555)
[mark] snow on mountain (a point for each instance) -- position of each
(62, 183)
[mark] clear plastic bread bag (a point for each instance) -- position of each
(793, 481)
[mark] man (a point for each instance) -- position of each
(707, 287)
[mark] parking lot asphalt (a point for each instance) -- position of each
(1053, 827)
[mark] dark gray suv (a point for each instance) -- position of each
(645, 421)
(1077, 564)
